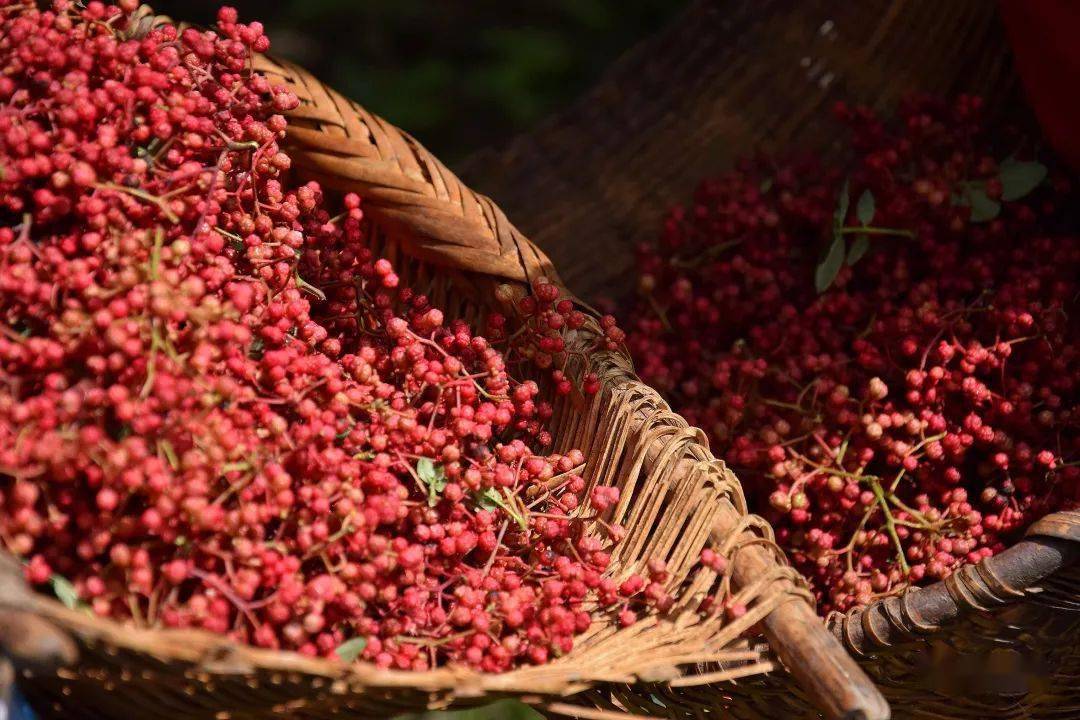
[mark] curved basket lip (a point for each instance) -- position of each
(1049, 546)
(211, 654)
(215, 654)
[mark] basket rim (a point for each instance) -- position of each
(1050, 545)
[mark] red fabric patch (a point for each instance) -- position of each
(1045, 37)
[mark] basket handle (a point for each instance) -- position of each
(830, 677)
(1051, 544)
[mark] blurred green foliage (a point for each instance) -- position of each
(457, 74)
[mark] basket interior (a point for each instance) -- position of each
(674, 500)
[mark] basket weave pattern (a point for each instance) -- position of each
(677, 498)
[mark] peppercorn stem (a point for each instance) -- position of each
(308, 287)
(495, 550)
(842, 450)
(786, 405)
(433, 642)
(151, 363)
(143, 195)
(709, 254)
(834, 470)
(908, 509)
(169, 452)
(868, 230)
(854, 536)
(659, 311)
(890, 523)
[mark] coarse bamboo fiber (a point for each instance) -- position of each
(728, 77)
(676, 499)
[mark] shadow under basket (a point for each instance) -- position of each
(676, 500)
(724, 79)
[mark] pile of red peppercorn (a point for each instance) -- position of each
(219, 410)
(886, 353)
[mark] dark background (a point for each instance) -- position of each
(456, 74)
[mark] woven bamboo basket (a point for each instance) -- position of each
(457, 246)
(728, 77)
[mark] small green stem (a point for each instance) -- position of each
(308, 287)
(835, 470)
(890, 523)
(897, 232)
(155, 253)
(786, 405)
(659, 311)
(170, 453)
(143, 195)
(709, 254)
(226, 234)
(909, 510)
(151, 363)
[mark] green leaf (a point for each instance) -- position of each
(983, 209)
(488, 500)
(866, 207)
(1020, 178)
(349, 650)
(858, 248)
(492, 498)
(431, 475)
(766, 185)
(65, 592)
(842, 205)
(830, 265)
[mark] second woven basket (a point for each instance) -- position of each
(1000, 639)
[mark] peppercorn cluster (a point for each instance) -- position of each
(885, 351)
(219, 409)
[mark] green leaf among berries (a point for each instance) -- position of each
(433, 477)
(858, 248)
(1019, 179)
(492, 498)
(65, 592)
(350, 650)
(830, 265)
(983, 209)
(842, 205)
(866, 208)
